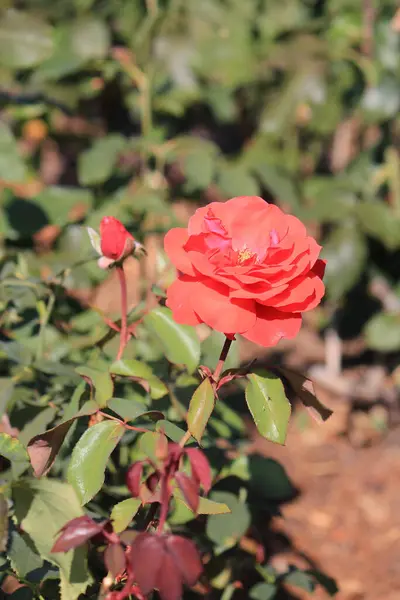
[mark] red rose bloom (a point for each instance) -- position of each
(116, 242)
(244, 267)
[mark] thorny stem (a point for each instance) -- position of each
(216, 375)
(164, 505)
(124, 311)
(150, 516)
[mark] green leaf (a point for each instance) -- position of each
(59, 202)
(383, 332)
(227, 529)
(138, 370)
(200, 409)
(269, 407)
(100, 381)
(42, 508)
(22, 554)
(15, 452)
(179, 342)
(130, 409)
(3, 523)
(263, 591)
(378, 220)
(206, 505)
(345, 252)
(12, 167)
(269, 479)
(198, 167)
(86, 471)
(148, 444)
(123, 513)
(6, 391)
(90, 38)
(236, 181)
(278, 183)
(25, 40)
(172, 431)
(96, 165)
(63, 60)
(300, 579)
(37, 424)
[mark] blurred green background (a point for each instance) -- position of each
(127, 107)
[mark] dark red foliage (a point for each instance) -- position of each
(186, 556)
(77, 532)
(190, 490)
(114, 558)
(133, 478)
(158, 489)
(152, 481)
(200, 468)
(165, 563)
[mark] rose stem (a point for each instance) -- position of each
(124, 311)
(222, 359)
(216, 376)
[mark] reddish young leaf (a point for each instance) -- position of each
(114, 558)
(43, 448)
(186, 557)
(147, 557)
(190, 490)
(77, 532)
(164, 563)
(200, 468)
(169, 580)
(174, 452)
(133, 478)
(152, 481)
(161, 449)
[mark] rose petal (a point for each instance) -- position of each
(272, 325)
(210, 301)
(302, 294)
(174, 241)
(179, 295)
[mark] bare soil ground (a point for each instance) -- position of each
(346, 519)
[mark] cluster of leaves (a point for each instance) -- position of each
(296, 101)
(122, 108)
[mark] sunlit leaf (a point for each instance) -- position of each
(86, 470)
(15, 452)
(123, 513)
(200, 409)
(269, 407)
(42, 508)
(25, 39)
(179, 342)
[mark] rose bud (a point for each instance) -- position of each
(114, 243)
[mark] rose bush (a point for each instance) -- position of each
(244, 267)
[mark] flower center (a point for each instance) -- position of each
(244, 255)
